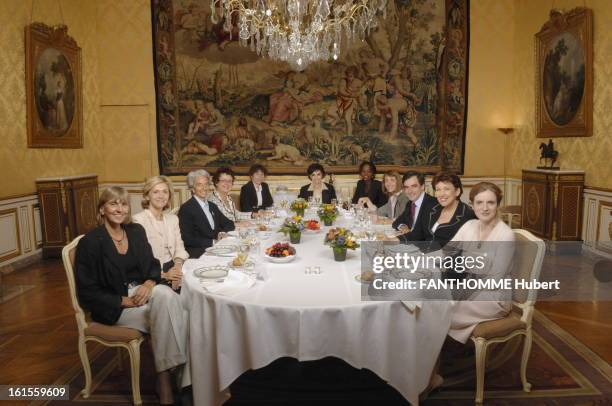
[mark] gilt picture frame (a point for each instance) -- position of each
(53, 87)
(564, 75)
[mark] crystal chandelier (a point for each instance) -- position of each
(298, 31)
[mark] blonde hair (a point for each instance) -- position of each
(398, 180)
(150, 184)
(113, 194)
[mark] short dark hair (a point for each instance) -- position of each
(449, 177)
(315, 167)
(483, 187)
(370, 164)
(222, 170)
(257, 168)
(420, 177)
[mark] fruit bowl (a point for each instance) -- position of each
(312, 226)
(280, 253)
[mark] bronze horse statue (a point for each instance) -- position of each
(548, 152)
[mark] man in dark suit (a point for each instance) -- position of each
(201, 222)
(420, 203)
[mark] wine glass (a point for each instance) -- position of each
(243, 233)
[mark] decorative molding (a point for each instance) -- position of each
(13, 252)
(37, 225)
(17, 196)
(24, 220)
(604, 243)
(596, 202)
(24, 228)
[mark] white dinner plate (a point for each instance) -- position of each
(358, 279)
(211, 272)
(222, 250)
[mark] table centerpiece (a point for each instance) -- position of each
(328, 214)
(341, 240)
(299, 206)
(293, 227)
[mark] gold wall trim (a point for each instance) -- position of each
(599, 189)
(18, 196)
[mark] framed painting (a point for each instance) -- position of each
(53, 88)
(564, 75)
(397, 98)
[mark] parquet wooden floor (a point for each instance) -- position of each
(38, 339)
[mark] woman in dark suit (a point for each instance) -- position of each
(443, 221)
(316, 187)
(255, 195)
(117, 280)
(369, 187)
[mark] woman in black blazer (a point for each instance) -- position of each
(317, 188)
(117, 279)
(249, 198)
(368, 186)
(443, 221)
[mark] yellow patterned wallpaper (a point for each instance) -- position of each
(127, 90)
(20, 165)
(591, 154)
(119, 111)
(490, 85)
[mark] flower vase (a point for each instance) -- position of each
(328, 222)
(339, 254)
(299, 212)
(295, 237)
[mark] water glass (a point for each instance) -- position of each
(370, 234)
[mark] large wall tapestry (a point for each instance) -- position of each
(397, 98)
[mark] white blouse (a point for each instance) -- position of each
(163, 235)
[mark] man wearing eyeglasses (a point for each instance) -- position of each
(420, 203)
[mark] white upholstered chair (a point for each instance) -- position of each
(110, 336)
(530, 255)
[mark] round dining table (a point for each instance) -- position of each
(307, 309)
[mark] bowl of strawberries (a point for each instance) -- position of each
(312, 226)
(280, 253)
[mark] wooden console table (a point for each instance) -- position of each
(68, 207)
(552, 203)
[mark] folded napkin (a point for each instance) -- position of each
(234, 283)
(412, 305)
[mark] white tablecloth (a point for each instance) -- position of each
(307, 317)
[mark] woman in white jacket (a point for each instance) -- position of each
(162, 229)
(491, 238)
